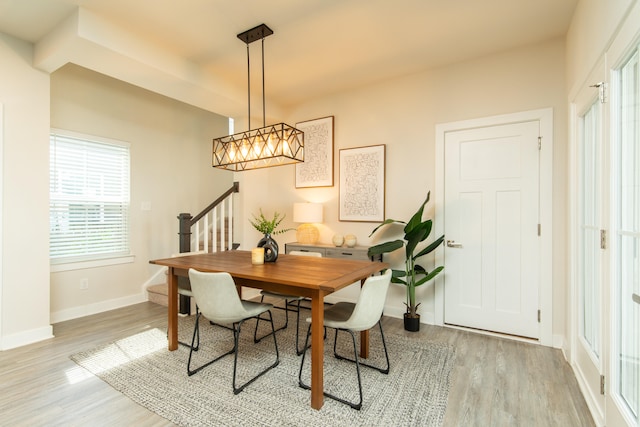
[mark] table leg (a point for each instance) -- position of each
(364, 344)
(364, 337)
(172, 321)
(317, 350)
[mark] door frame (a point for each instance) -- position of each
(1, 210)
(545, 117)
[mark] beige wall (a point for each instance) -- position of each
(170, 169)
(402, 114)
(24, 290)
(593, 26)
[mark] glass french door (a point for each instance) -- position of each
(626, 244)
(589, 358)
(590, 251)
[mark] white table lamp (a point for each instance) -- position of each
(307, 214)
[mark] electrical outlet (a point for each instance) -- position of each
(84, 283)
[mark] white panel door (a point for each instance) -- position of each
(491, 226)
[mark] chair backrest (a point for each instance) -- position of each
(216, 296)
(303, 253)
(370, 305)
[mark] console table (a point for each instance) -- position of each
(330, 251)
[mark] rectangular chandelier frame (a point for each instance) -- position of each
(273, 145)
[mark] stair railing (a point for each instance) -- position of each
(212, 229)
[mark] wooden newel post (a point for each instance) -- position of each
(185, 246)
(185, 232)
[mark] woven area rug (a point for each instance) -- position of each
(414, 393)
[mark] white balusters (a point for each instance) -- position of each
(217, 222)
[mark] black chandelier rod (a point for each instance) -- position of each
(264, 108)
(249, 36)
(248, 88)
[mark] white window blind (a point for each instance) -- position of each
(89, 198)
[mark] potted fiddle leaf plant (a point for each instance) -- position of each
(413, 275)
(269, 227)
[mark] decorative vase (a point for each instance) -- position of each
(411, 324)
(270, 248)
(338, 240)
(350, 240)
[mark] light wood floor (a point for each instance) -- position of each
(496, 382)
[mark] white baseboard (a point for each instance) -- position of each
(558, 342)
(598, 417)
(26, 337)
(99, 307)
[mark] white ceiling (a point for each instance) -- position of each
(319, 46)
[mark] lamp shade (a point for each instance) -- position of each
(307, 212)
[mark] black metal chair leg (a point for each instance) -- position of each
(198, 369)
(356, 406)
(384, 345)
(237, 390)
(197, 347)
(304, 355)
(298, 350)
(259, 318)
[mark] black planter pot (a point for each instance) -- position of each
(270, 248)
(411, 324)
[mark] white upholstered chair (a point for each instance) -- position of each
(350, 317)
(218, 300)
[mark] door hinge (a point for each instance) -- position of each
(539, 143)
(603, 239)
(539, 316)
(602, 385)
(602, 91)
(539, 229)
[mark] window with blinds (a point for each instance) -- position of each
(89, 198)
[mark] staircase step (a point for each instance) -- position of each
(158, 294)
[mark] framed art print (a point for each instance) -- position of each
(317, 168)
(362, 176)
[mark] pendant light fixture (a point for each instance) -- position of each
(272, 145)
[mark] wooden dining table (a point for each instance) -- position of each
(310, 277)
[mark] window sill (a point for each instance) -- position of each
(55, 268)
